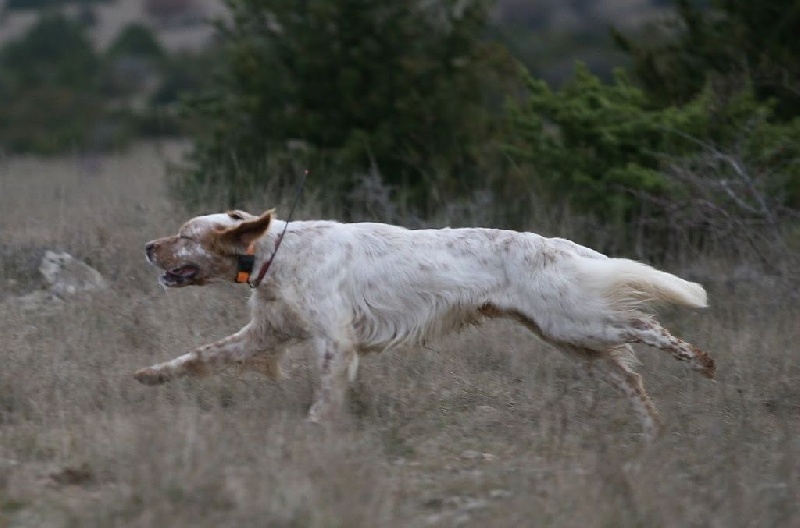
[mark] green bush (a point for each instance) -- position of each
(591, 142)
(611, 153)
(404, 86)
(730, 43)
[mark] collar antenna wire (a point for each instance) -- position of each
(265, 267)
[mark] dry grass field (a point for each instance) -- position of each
(489, 427)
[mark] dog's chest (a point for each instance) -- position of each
(277, 315)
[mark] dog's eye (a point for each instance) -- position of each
(236, 215)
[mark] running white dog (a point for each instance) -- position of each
(348, 289)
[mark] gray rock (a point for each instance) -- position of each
(67, 275)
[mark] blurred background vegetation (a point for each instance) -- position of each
(653, 123)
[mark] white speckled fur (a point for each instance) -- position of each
(351, 288)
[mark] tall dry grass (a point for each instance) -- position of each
(489, 426)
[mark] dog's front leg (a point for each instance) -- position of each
(334, 359)
(205, 360)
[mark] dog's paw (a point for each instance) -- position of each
(707, 368)
(318, 414)
(150, 376)
(325, 412)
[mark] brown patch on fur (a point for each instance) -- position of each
(548, 258)
(266, 366)
(651, 333)
(326, 359)
(492, 311)
(710, 368)
(197, 368)
(639, 324)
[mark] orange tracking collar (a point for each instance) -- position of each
(245, 264)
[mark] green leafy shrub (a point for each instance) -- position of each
(730, 43)
(611, 153)
(403, 86)
(592, 142)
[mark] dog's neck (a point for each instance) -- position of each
(252, 266)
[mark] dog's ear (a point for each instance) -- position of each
(241, 236)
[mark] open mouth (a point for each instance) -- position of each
(181, 276)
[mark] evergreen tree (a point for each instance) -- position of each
(591, 143)
(732, 44)
(404, 86)
(55, 50)
(49, 82)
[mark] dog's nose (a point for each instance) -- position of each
(149, 248)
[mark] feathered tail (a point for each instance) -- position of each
(628, 285)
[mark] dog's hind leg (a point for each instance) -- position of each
(620, 375)
(649, 332)
(613, 365)
(204, 360)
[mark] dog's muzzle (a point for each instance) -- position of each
(181, 276)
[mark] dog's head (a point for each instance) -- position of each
(206, 248)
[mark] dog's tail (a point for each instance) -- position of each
(628, 285)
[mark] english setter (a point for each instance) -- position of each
(348, 289)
